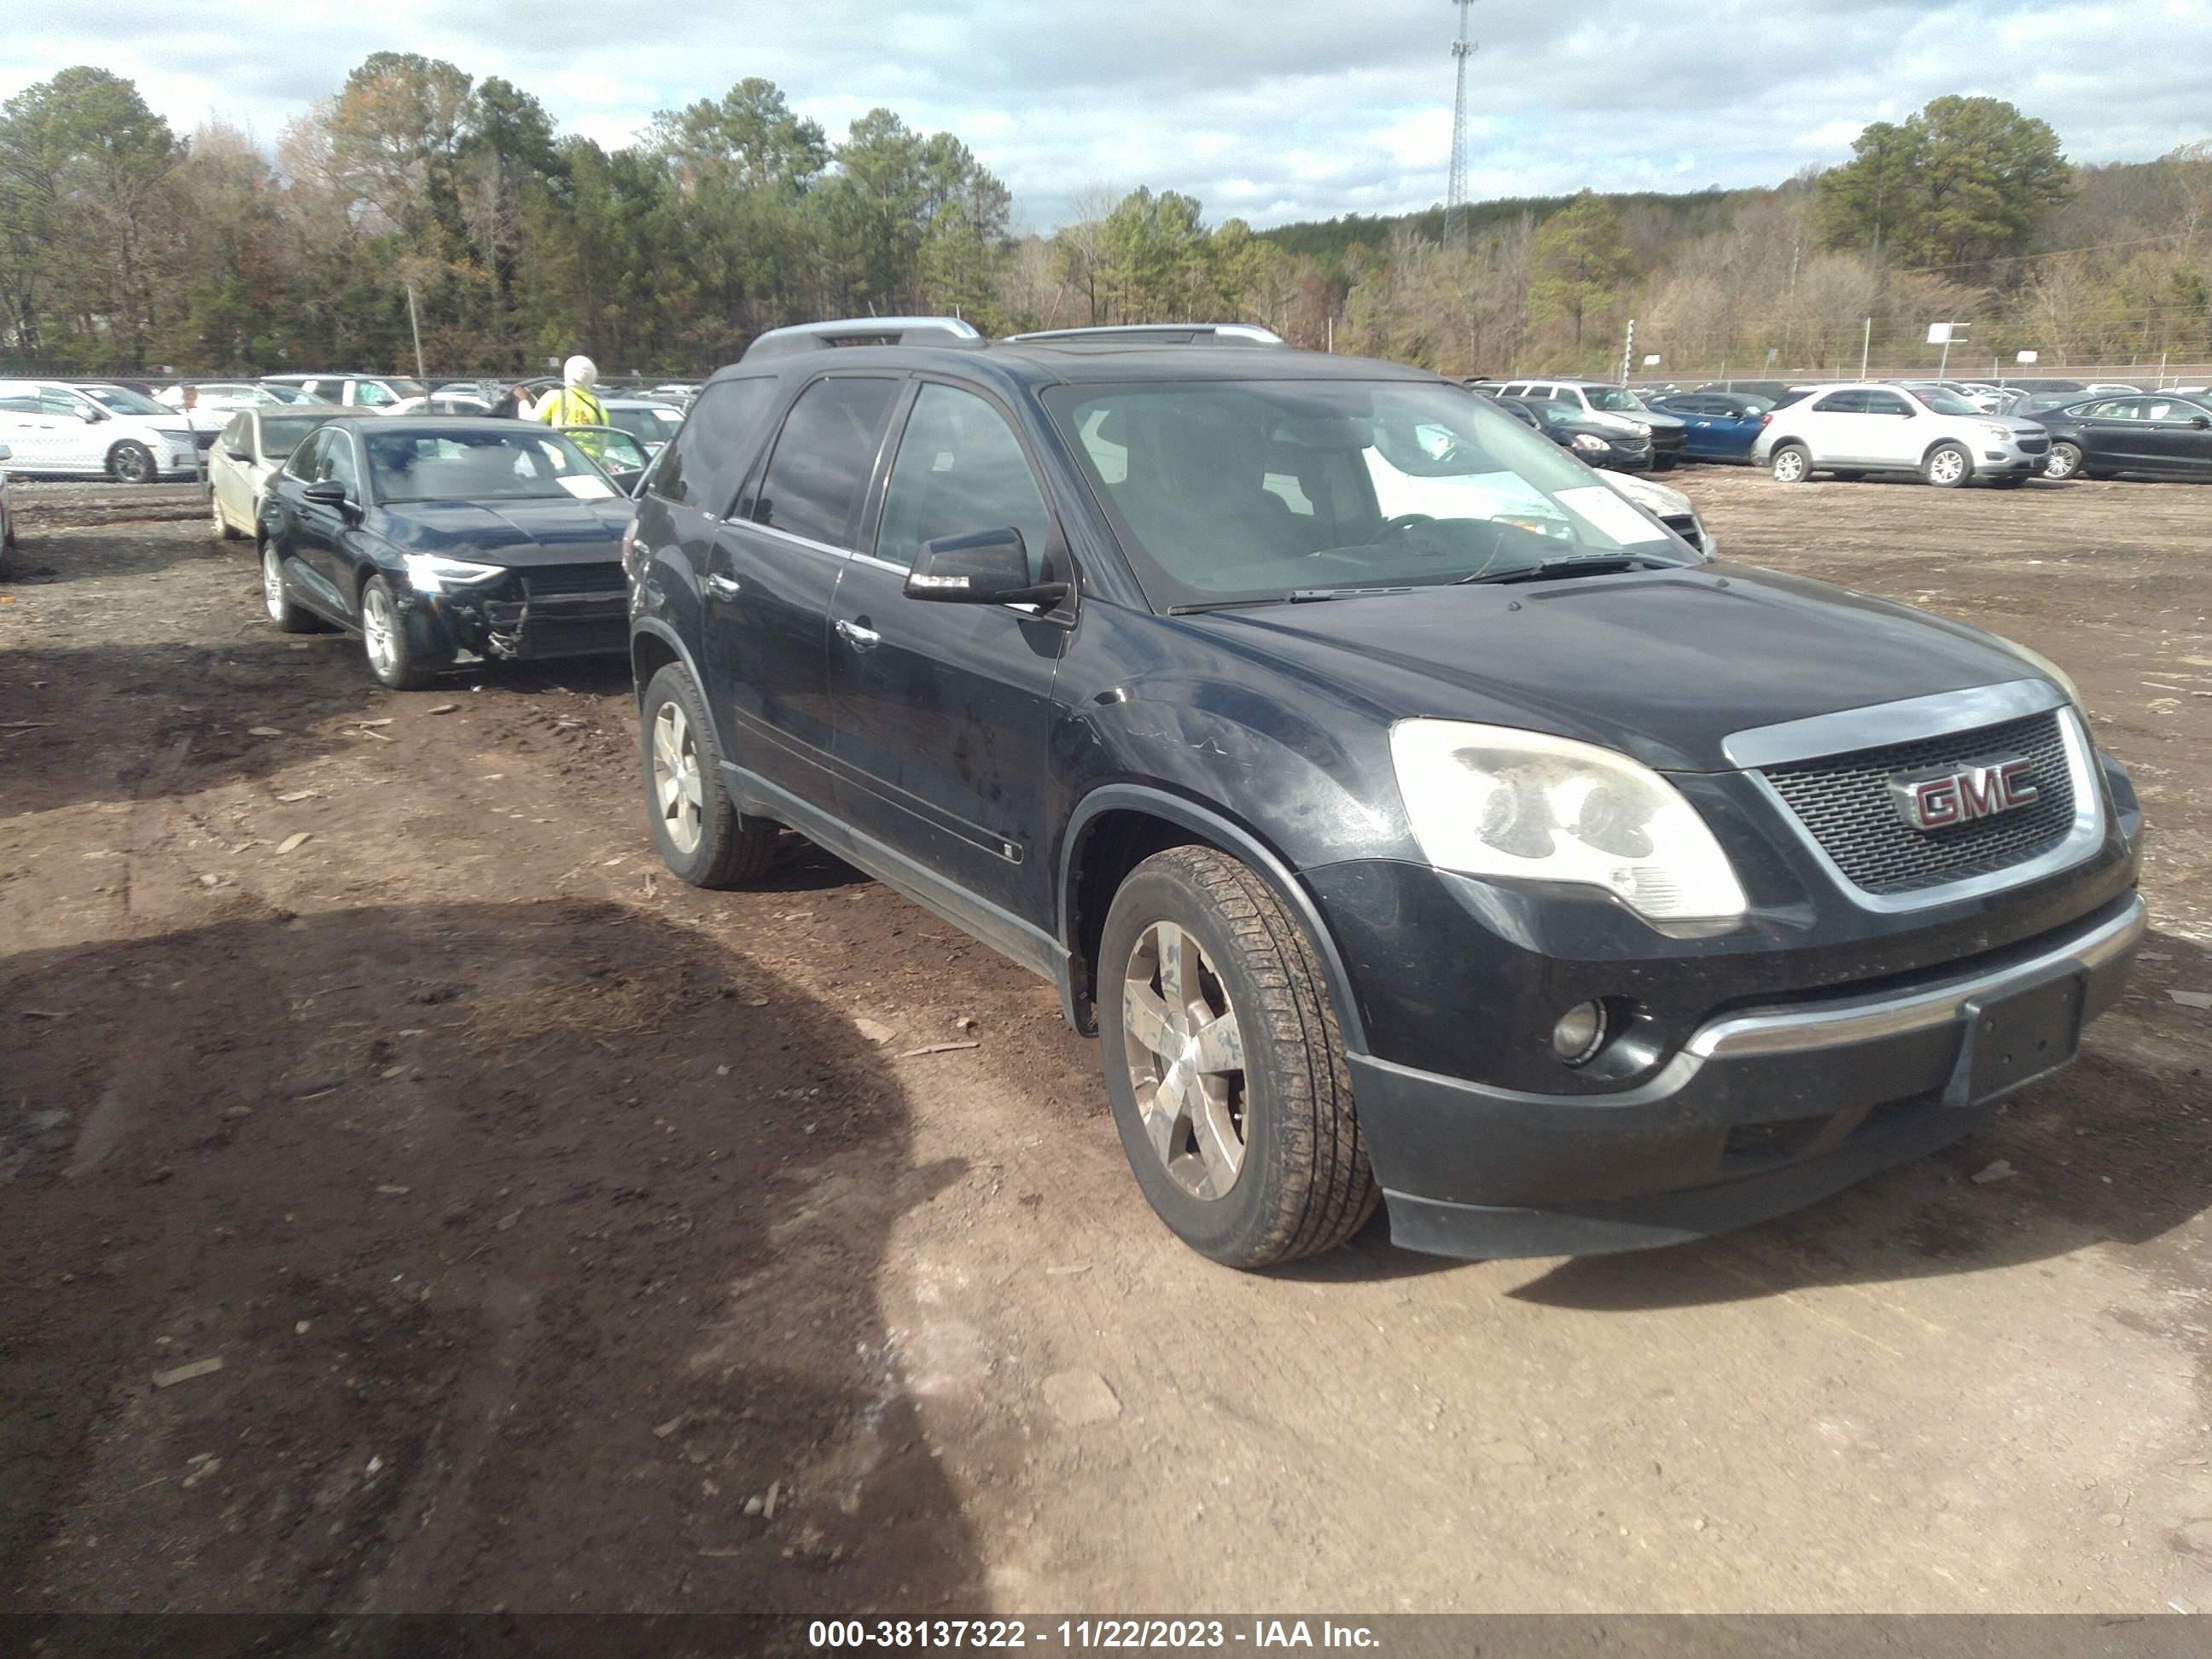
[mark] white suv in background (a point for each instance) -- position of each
(1853, 429)
(381, 392)
(52, 427)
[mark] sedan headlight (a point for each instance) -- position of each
(1489, 800)
(1590, 444)
(430, 573)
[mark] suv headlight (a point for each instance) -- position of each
(428, 573)
(1489, 800)
(1590, 443)
(2003, 434)
(1641, 428)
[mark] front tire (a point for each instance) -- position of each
(2065, 461)
(1664, 463)
(398, 655)
(1224, 1067)
(1790, 464)
(218, 522)
(695, 826)
(131, 462)
(1948, 466)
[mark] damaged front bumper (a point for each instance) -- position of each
(531, 615)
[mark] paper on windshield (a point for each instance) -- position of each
(584, 487)
(1598, 506)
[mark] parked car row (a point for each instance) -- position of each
(1360, 768)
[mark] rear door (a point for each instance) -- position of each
(771, 572)
(26, 429)
(2108, 437)
(944, 711)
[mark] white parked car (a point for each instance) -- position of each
(54, 427)
(226, 397)
(377, 391)
(1851, 430)
(438, 403)
(247, 453)
(651, 420)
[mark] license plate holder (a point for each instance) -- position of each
(2015, 1038)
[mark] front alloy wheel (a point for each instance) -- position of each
(1947, 466)
(1186, 1054)
(2065, 461)
(677, 792)
(1791, 465)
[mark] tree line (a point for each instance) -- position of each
(126, 244)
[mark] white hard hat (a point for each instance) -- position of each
(581, 371)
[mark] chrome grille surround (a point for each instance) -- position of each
(1853, 752)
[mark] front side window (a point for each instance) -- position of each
(63, 405)
(368, 394)
(825, 457)
(1889, 403)
(337, 465)
(121, 400)
(960, 469)
(1945, 403)
(474, 466)
(1409, 483)
(307, 459)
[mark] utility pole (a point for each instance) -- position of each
(1866, 346)
(1627, 350)
(415, 327)
(1455, 190)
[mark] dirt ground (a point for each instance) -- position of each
(571, 1239)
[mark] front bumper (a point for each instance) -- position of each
(527, 628)
(1762, 1110)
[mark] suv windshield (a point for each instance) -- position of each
(1613, 398)
(1238, 492)
(473, 466)
(119, 400)
(1943, 402)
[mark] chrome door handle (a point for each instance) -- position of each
(859, 638)
(723, 587)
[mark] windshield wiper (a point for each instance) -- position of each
(1581, 564)
(1296, 596)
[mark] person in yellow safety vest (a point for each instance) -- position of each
(575, 404)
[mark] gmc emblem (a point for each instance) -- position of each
(1939, 797)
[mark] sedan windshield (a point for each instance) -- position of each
(1247, 492)
(410, 466)
(120, 400)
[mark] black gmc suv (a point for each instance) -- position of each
(1411, 815)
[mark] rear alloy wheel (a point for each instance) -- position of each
(223, 526)
(1224, 1064)
(1791, 464)
(131, 463)
(1948, 466)
(288, 617)
(698, 832)
(397, 654)
(2065, 461)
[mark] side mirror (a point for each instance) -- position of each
(2200, 420)
(90, 416)
(991, 566)
(327, 491)
(6, 453)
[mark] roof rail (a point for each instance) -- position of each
(864, 330)
(1162, 334)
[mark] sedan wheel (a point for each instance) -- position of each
(288, 617)
(1186, 1054)
(2065, 461)
(216, 522)
(677, 790)
(131, 463)
(379, 631)
(402, 653)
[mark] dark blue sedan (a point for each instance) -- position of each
(1718, 426)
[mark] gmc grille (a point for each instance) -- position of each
(1844, 803)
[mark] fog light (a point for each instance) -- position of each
(1580, 1032)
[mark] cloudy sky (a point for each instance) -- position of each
(1288, 109)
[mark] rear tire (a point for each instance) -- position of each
(1790, 464)
(132, 463)
(288, 617)
(695, 825)
(2065, 461)
(1244, 1141)
(1948, 466)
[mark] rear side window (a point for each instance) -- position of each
(823, 457)
(703, 464)
(1841, 403)
(1886, 403)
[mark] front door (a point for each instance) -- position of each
(944, 711)
(2176, 437)
(1894, 435)
(770, 575)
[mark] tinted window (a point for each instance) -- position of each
(824, 457)
(303, 462)
(705, 462)
(960, 469)
(1841, 403)
(1886, 403)
(337, 465)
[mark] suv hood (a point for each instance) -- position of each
(561, 531)
(1659, 664)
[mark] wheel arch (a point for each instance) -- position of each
(1117, 827)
